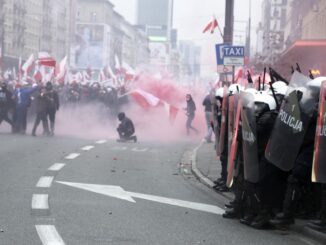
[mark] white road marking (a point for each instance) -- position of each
(56, 167)
(118, 192)
(72, 156)
(114, 191)
(45, 182)
(40, 201)
(87, 148)
(49, 235)
(101, 142)
(119, 148)
(139, 150)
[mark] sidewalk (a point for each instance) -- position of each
(207, 169)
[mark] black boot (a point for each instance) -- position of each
(247, 219)
(289, 204)
(262, 220)
(320, 225)
(232, 214)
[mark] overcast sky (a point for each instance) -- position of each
(191, 16)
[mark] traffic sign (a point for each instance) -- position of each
(219, 48)
(233, 55)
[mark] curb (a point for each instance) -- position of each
(299, 229)
(200, 176)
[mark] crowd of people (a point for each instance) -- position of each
(22, 100)
(270, 140)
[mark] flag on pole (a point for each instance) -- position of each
(211, 25)
(28, 65)
(45, 59)
(61, 70)
(144, 99)
(20, 68)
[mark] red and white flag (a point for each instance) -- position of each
(211, 26)
(117, 64)
(45, 59)
(171, 110)
(28, 65)
(20, 68)
(144, 99)
(129, 72)
(111, 73)
(61, 70)
(101, 77)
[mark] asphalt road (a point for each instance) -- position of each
(111, 193)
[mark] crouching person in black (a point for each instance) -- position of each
(126, 129)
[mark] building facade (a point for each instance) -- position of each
(270, 31)
(30, 26)
(102, 34)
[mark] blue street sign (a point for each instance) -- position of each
(219, 54)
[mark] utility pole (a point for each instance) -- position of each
(229, 20)
(228, 28)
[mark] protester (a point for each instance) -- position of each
(190, 112)
(126, 129)
(41, 101)
(22, 97)
(52, 105)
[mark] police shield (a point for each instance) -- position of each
(319, 162)
(291, 123)
(249, 138)
(221, 145)
(233, 149)
(232, 109)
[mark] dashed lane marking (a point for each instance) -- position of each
(119, 148)
(87, 148)
(40, 202)
(136, 149)
(49, 235)
(101, 142)
(45, 182)
(56, 167)
(72, 156)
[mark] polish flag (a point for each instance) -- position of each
(28, 65)
(117, 65)
(45, 59)
(20, 68)
(101, 77)
(144, 99)
(38, 77)
(211, 26)
(110, 72)
(61, 70)
(171, 110)
(130, 73)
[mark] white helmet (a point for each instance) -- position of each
(316, 83)
(219, 92)
(263, 97)
(252, 91)
(279, 88)
(234, 89)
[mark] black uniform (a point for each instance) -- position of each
(6, 103)
(299, 177)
